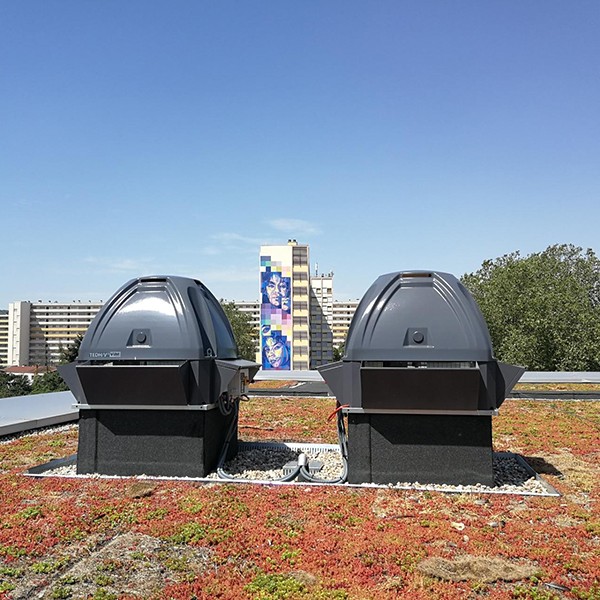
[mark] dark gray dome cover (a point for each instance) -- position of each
(159, 318)
(418, 315)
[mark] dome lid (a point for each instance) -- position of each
(159, 318)
(418, 316)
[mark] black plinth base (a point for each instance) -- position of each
(392, 448)
(176, 443)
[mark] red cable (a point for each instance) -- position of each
(337, 410)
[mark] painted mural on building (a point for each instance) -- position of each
(276, 313)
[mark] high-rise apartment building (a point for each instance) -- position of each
(298, 321)
(338, 319)
(284, 307)
(343, 311)
(321, 320)
(38, 332)
(296, 310)
(252, 309)
(3, 338)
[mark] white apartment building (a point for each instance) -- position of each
(329, 319)
(343, 311)
(252, 309)
(39, 331)
(3, 338)
(336, 314)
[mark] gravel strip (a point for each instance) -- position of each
(260, 464)
(510, 477)
(6, 439)
(267, 464)
(332, 465)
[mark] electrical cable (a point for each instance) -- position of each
(343, 441)
(230, 432)
(226, 404)
(302, 468)
(223, 457)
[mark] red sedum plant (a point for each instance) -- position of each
(309, 541)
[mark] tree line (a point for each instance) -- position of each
(542, 311)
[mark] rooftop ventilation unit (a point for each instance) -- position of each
(157, 381)
(419, 383)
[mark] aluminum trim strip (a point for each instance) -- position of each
(144, 406)
(396, 411)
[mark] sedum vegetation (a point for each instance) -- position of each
(128, 538)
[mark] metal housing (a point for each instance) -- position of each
(418, 342)
(419, 383)
(155, 379)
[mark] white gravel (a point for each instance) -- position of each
(267, 464)
(260, 464)
(510, 477)
(6, 439)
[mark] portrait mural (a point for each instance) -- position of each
(275, 350)
(276, 290)
(275, 314)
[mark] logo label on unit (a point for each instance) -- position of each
(113, 354)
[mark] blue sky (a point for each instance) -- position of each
(147, 137)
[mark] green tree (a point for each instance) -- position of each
(542, 310)
(339, 351)
(69, 354)
(13, 385)
(246, 336)
(47, 383)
